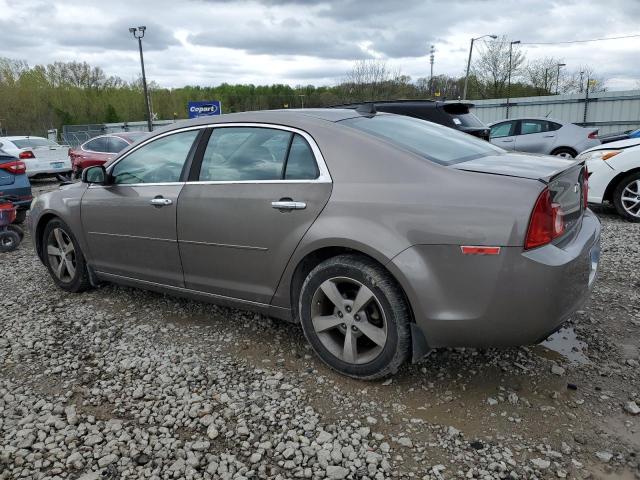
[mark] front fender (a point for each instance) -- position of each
(63, 204)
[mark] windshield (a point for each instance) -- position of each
(439, 144)
(33, 143)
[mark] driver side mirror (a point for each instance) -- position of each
(96, 174)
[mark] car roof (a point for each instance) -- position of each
(290, 117)
(530, 118)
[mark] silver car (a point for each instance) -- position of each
(543, 135)
(384, 236)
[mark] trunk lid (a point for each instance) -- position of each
(521, 165)
(565, 178)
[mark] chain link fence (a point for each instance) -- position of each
(76, 135)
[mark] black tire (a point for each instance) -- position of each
(627, 181)
(17, 229)
(21, 216)
(9, 240)
(79, 281)
(389, 298)
(564, 151)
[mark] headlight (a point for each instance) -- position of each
(599, 155)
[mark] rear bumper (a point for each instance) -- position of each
(514, 298)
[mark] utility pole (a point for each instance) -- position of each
(546, 88)
(509, 79)
(138, 32)
(466, 77)
(432, 52)
(586, 102)
(558, 76)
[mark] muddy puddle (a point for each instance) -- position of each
(564, 345)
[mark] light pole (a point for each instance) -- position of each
(466, 77)
(558, 76)
(138, 32)
(432, 52)
(515, 42)
(301, 100)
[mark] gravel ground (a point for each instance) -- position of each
(122, 383)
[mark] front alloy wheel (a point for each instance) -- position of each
(626, 197)
(61, 254)
(355, 317)
(63, 257)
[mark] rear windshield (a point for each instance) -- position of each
(33, 142)
(439, 144)
(461, 116)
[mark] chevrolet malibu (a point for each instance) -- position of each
(384, 236)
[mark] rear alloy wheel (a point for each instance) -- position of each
(564, 153)
(63, 257)
(355, 317)
(626, 197)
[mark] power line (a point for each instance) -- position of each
(571, 41)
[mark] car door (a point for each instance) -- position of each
(503, 134)
(534, 137)
(130, 224)
(254, 194)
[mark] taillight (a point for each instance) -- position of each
(585, 187)
(593, 135)
(26, 155)
(17, 167)
(546, 223)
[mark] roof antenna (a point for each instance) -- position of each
(547, 115)
(368, 108)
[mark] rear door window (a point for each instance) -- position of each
(527, 127)
(116, 145)
(100, 145)
(245, 154)
(301, 163)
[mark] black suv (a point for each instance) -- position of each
(454, 114)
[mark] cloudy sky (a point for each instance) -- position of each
(208, 42)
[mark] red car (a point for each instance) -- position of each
(99, 150)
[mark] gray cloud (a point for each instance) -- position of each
(308, 41)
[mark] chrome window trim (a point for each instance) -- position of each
(106, 135)
(90, 140)
(324, 177)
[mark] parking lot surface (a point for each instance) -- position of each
(122, 383)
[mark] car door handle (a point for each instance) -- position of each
(161, 202)
(289, 205)
(549, 136)
(507, 141)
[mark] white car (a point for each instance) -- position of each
(615, 176)
(40, 155)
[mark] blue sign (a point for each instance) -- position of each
(204, 109)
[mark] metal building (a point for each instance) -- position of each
(608, 111)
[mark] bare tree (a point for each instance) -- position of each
(542, 74)
(11, 70)
(371, 79)
(576, 80)
(491, 69)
